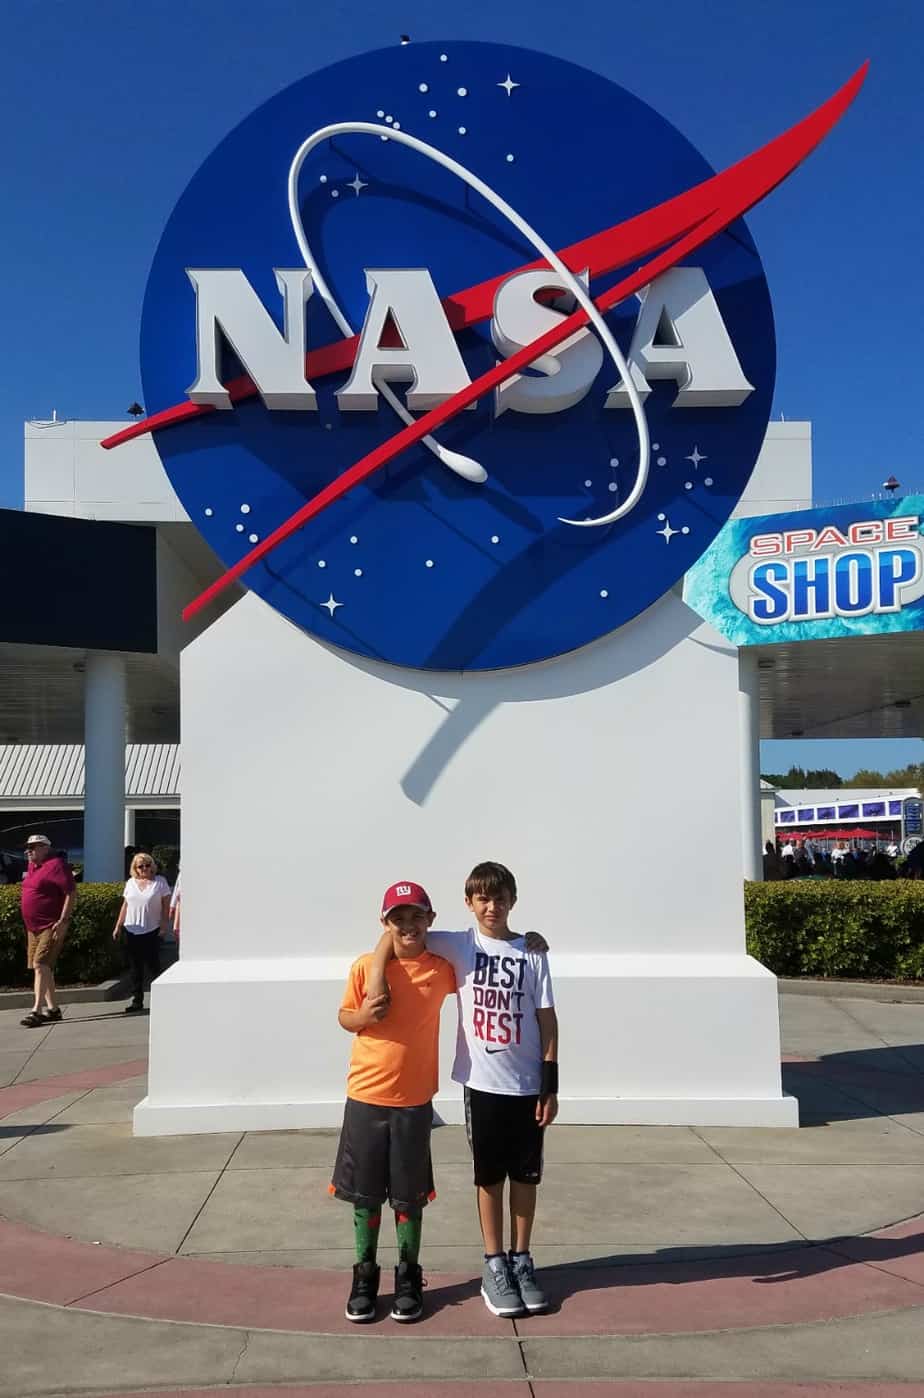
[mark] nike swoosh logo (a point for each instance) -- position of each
(500, 1050)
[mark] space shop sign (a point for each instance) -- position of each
(855, 570)
(435, 384)
(873, 566)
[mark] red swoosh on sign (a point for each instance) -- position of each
(679, 226)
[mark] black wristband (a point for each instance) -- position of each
(549, 1082)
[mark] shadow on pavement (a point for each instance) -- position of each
(118, 1014)
(7, 1131)
(887, 1081)
(781, 1262)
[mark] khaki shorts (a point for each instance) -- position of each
(42, 950)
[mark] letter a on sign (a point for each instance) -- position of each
(427, 356)
(681, 335)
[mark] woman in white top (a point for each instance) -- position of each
(144, 912)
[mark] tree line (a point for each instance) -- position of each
(822, 778)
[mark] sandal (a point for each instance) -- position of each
(33, 1020)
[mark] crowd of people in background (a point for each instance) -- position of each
(808, 859)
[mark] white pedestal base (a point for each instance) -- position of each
(312, 781)
(666, 1040)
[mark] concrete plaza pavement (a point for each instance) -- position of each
(770, 1262)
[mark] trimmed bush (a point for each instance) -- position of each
(89, 955)
(841, 928)
(800, 927)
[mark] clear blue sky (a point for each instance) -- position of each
(108, 109)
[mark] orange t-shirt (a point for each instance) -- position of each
(395, 1062)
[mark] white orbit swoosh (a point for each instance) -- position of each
(368, 128)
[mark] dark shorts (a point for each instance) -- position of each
(384, 1153)
(504, 1136)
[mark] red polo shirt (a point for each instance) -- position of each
(45, 886)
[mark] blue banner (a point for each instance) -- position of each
(851, 570)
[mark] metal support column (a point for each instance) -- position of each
(749, 764)
(104, 738)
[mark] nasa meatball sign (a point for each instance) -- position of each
(460, 355)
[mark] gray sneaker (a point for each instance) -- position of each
(524, 1277)
(498, 1289)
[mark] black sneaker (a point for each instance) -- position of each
(134, 1008)
(408, 1302)
(53, 1016)
(361, 1305)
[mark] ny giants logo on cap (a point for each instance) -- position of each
(411, 895)
(447, 383)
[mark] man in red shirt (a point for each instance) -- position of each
(48, 894)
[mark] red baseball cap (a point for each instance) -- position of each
(410, 895)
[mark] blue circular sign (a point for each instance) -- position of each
(417, 565)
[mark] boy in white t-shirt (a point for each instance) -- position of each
(506, 1059)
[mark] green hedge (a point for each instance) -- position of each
(89, 954)
(840, 928)
(801, 927)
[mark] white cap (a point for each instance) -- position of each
(37, 840)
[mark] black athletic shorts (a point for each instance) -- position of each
(384, 1153)
(504, 1136)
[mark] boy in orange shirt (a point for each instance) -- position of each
(384, 1150)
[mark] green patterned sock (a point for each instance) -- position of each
(408, 1227)
(366, 1224)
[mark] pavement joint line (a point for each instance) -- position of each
(734, 1169)
(237, 1363)
(76, 1302)
(747, 1249)
(393, 1337)
(303, 1388)
(915, 1070)
(30, 1130)
(218, 1178)
(45, 1035)
(876, 1266)
(837, 1083)
(895, 1048)
(522, 1354)
(123, 1175)
(418, 1334)
(839, 1003)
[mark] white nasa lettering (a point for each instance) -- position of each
(680, 334)
(428, 356)
(568, 372)
(227, 305)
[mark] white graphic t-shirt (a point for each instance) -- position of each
(500, 987)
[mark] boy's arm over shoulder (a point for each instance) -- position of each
(447, 975)
(452, 947)
(376, 980)
(357, 1010)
